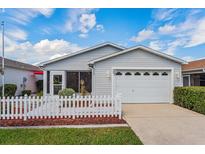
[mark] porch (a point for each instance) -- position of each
(197, 79)
(79, 81)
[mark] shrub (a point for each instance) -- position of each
(39, 85)
(9, 90)
(192, 98)
(39, 93)
(66, 92)
(26, 92)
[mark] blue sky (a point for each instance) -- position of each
(35, 35)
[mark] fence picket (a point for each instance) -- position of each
(77, 106)
(12, 107)
(89, 106)
(73, 102)
(61, 107)
(65, 109)
(16, 107)
(46, 107)
(32, 107)
(93, 106)
(69, 109)
(25, 108)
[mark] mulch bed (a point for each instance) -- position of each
(61, 121)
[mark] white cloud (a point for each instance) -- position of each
(81, 20)
(40, 51)
(82, 35)
(197, 37)
(16, 34)
(157, 45)
(145, 34)
(173, 45)
(166, 29)
(57, 55)
(165, 14)
(100, 28)
(87, 22)
(188, 58)
(24, 16)
(54, 46)
(46, 12)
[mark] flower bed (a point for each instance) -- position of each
(61, 121)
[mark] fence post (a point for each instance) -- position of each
(25, 107)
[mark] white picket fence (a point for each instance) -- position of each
(34, 107)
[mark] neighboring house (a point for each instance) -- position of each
(139, 74)
(194, 73)
(22, 74)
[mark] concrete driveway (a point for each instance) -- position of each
(165, 124)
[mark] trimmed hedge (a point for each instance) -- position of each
(66, 92)
(9, 90)
(192, 98)
(39, 93)
(26, 92)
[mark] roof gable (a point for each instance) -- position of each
(143, 48)
(82, 51)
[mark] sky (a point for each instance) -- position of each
(37, 35)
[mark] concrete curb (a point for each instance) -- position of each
(68, 126)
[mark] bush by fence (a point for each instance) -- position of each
(10, 90)
(192, 98)
(26, 92)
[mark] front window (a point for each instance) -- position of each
(79, 81)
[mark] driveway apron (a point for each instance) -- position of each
(165, 124)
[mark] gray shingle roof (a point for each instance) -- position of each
(18, 65)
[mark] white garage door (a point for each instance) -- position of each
(143, 86)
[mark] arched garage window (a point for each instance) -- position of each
(155, 73)
(138, 73)
(164, 74)
(128, 73)
(146, 74)
(118, 73)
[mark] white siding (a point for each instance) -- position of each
(80, 61)
(15, 76)
(135, 58)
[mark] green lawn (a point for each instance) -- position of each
(104, 136)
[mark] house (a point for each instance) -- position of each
(22, 74)
(140, 74)
(194, 73)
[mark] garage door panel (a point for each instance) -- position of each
(144, 89)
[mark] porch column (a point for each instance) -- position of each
(44, 83)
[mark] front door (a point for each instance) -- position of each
(57, 82)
